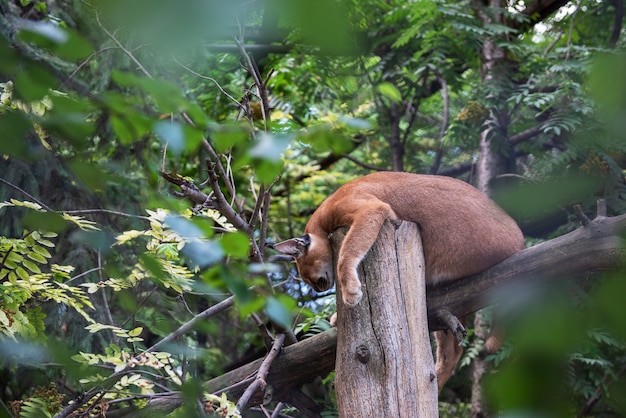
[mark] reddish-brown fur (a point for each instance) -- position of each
(463, 233)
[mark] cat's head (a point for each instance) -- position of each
(313, 257)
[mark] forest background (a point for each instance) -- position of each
(151, 150)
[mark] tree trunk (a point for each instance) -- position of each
(492, 161)
(384, 360)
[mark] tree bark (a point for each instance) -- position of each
(384, 359)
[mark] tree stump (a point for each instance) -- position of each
(384, 364)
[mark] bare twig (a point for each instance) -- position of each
(212, 80)
(25, 193)
(187, 326)
(260, 381)
(222, 204)
(89, 58)
(260, 83)
(105, 301)
(122, 47)
(107, 211)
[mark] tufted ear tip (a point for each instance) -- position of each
(280, 258)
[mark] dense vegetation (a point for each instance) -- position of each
(151, 150)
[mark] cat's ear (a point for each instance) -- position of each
(293, 248)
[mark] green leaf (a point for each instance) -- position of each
(135, 332)
(14, 127)
(22, 274)
(250, 305)
(390, 91)
(236, 244)
(62, 42)
(90, 174)
(228, 136)
(37, 257)
(269, 147)
(267, 171)
(33, 82)
(41, 251)
(31, 266)
(177, 137)
(48, 221)
(167, 96)
(171, 134)
(278, 312)
(9, 61)
(69, 118)
(123, 130)
(321, 23)
(43, 34)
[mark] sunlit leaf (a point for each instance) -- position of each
(135, 332)
(390, 91)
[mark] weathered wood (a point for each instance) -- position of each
(384, 359)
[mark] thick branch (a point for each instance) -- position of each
(595, 247)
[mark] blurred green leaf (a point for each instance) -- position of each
(68, 117)
(607, 81)
(269, 147)
(9, 61)
(199, 250)
(323, 24)
(167, 96)
(90, 174)
(14, 127)
(236, 244)
(44, 221)
(227, 136)
(33, 82)
(389, 91)
(323, 139)
(62, 42)
(279, 311)
(171, 134)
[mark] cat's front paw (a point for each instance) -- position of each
(352, 294)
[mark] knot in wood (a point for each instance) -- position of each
(363, 353)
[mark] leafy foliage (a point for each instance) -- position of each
(97, 99)
(24, 286)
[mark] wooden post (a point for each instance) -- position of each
(384, 363)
